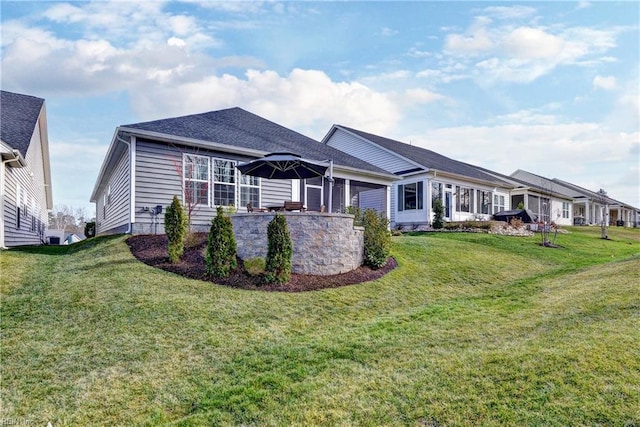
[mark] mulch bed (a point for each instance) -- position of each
(152, 250)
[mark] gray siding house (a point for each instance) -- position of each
(25, 173)
(194, 157)
(467, 192)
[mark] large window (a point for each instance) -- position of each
(464, 199)
(249, 190)
(484, 202)
(224, 182)
(196, 180)
(565, 210)
(498, 203)
(410, 196)
(436, 192)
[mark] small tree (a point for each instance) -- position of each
(279, 251)
(221, 246)
(438, 214)
(377, 238)
(175, 226)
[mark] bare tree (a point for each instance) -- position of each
(68, 218)
(603, 200)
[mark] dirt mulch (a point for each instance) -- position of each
(152, 250)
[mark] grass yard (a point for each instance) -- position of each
(470, 329)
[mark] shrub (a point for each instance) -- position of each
(438, 214)
(255, 266)
(377, 238)
(221, 246)
(90, 229)
(357, 214)
(279, 251)
(175, 226)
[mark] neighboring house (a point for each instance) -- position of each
(589, 207)
(467, 192)
(543, 199)
(25, 173)
(194, 157)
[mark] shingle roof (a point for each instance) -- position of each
(18, 117)
(427, 158)
(240, 128)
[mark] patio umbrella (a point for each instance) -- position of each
(288, 166)
(283, 166)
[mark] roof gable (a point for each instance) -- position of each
(240, 128)
(427, 158)
(18, 118)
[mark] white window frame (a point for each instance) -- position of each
(216, 182)
(498, 203)
(565, 209)
(248, 187)
(186, 159)
(469, 198)
(419, 190)
(480, 196)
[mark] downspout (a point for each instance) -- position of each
(131, 146)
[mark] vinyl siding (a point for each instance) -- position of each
(113, 217)
(159, 178)
(368, 152)
(32, 184)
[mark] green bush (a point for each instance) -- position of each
(279, 251)
(175, 226)
(377, 238)
(221, 246)
(255, 266)
(438, 214)
(90, 229)
(357, 214)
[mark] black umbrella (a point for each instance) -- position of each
(283, 166)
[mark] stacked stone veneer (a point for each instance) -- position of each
(323, 243)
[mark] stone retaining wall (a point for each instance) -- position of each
(323, 243)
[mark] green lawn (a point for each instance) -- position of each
(470, 329)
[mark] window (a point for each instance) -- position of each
(484, 202)
(436, 192)
(464, 199)
(410, 196)
(565, 210)
(18, 201)
(224, 182)
(249, 190)
(498, 203)
(196, 180)
(109, 194)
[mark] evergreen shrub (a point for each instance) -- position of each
(175, 226)
(279, 251)
(221, 246)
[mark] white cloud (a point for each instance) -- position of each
(472, 43)
(305, 100)
(509, 12)
(388, 32)
(533, 43)
(421, 96)
(604, 82)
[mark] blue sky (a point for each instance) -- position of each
(548, 87)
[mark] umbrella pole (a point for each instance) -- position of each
(330, 186)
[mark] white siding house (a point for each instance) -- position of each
(466, 192)
(25, 175)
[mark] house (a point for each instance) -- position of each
(467, 192)
(25, 172)
(589, 207)
(194, 157)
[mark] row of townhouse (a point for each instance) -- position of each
(195, 157)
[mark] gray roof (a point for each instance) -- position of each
(19, 115)
(240, 128)
(428, 158)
